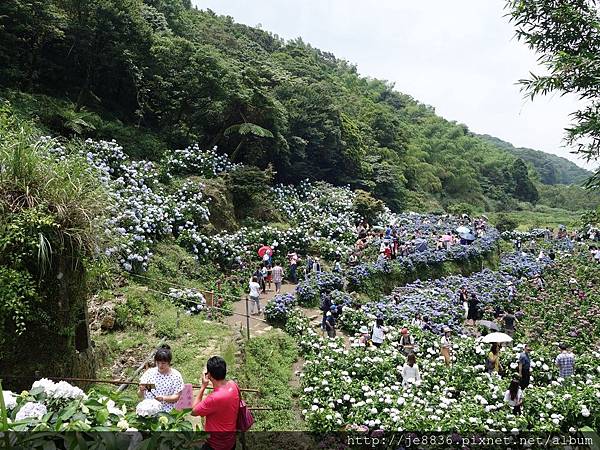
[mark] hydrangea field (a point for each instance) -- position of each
(356, 387)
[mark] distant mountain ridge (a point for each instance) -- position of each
(552, 169)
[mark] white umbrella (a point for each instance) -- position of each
(496, 337)
(463, 229)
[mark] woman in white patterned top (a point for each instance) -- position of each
(167, 382)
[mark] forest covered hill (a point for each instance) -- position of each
(159, 74)
(552, 169)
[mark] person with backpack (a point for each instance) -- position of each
(325, 307)
(258, 274)
(330, 324)
(509, 320)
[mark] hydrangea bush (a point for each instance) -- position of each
(278, 309)
(63, 407)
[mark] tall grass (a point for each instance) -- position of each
(67, 190)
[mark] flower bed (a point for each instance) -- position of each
(437, 299)
(357, 387)
(279, 308)
(310, 291)
(558, 315)
(379, 276)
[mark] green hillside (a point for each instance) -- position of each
(158, 74)
(552, 169)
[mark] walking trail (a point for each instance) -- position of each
(258, 324)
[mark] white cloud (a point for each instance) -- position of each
(458, 56)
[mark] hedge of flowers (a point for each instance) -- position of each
(361, 388)
(436, 299)
(309, 292)
(321, 220)
(558, 313)
(190, 299)
(59, 407)
(521, 264)
(143, 209)
(278, 309)
(194, 161)
(536, 233)
(360, 275)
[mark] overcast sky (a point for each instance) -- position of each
(458, 56)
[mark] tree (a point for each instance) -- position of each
(524, 189)
(566, 36)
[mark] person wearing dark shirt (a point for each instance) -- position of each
(509, 320)
(473, 312)
(525, 367)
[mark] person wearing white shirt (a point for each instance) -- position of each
(446, 346)
(378, 335)
(514, 397)
(254, 294)
(410, 371)
(162, 382)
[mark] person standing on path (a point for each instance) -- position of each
(565, 362)
(220, 407)
(525, 367)
(293, 259)
(254, 295)
(277, 273)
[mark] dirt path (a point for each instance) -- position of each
(258, 324)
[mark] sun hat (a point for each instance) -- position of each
(447, 329)
(328, 313)
(363, 329)
(404, 330)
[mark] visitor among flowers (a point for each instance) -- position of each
(364, 338)
(378, 333)
(277, 273)
(493, 359)
(565, 362)
(293, 259)
(446, 346)
(514, 397)
(407, 342)
(410, 371)
(525, 367)
(509, 320)
(162, 382)
(330, 324)
(473, 310)
(220, 407)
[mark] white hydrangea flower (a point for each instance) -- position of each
(31, 410)
(148, 407)
(10, 399)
